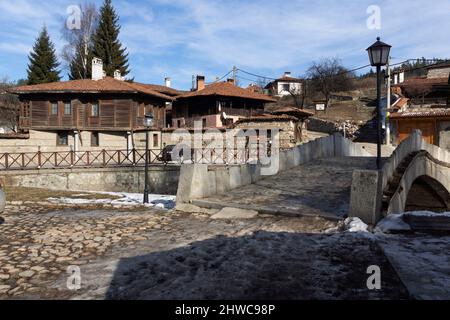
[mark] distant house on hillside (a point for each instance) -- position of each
(285, 86)
(102, 112)
(217, 105)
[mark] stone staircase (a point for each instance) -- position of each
(394, 182)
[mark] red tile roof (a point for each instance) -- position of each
(162, 89)
(422, 81)
(422, 113)
(267, 118)
(106, 84)
(290, 110)
(289, 79)
(226, 89)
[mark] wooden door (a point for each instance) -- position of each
(407, 126)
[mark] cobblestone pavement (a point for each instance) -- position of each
(38, 243)
(150, 254)
(319, 188)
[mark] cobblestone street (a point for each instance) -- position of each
(143, 253)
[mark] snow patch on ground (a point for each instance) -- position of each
(124, 199)
(392, 223)
(355, 225)
(395, 223)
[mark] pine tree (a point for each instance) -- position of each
(106, 43)
(43, 61)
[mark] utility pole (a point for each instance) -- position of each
(388, 102)
(234, 74)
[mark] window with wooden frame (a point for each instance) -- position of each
(95, 110)
(155, 140)
(54, 108)
(67, 108)
(62, 138)
(95, 139)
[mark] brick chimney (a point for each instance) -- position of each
(200, 83)
(97, 69)
(230, 81)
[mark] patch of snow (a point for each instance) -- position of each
(395, 223)
(427, 214)
(392, 223)
(355, 225)
(124, 199)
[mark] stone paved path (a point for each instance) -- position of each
(422, 262)
(319, 188)
(148, 254)
(38, 243)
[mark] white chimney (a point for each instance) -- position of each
(97, 69)
(401, 77)
(287, 74)
(118, 75)
(168, 82)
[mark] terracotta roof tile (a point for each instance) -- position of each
(419, 113)
(290, 110)
(422, 81)
(226, 89)
(267, 118)
(289, 79)
(106, 84)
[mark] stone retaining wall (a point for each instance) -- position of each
(162, 179)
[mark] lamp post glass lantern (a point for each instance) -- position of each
(148, 123)
(379, 57)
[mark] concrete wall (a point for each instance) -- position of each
(198, 181)
(162, 179)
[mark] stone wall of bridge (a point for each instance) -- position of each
(199, 181)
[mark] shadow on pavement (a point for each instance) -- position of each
(264, 265)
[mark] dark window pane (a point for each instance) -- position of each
(95, 141)
(95, 111)
(63, 139)
(67, 108)
(54, 109)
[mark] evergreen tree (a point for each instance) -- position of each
(106, 43)
(43, 61)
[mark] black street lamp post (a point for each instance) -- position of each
(148, 123)
(379, 56)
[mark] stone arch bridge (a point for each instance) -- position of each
(415, 177)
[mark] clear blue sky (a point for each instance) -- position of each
(180, 38)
